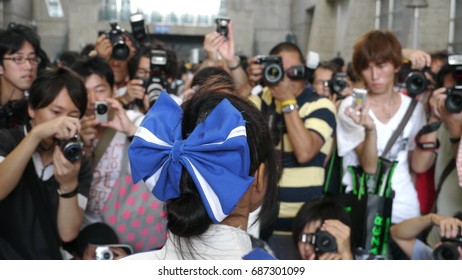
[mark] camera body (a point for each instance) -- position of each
(324, 242)
(321, 240)
(120, 50)
(101, 111)
(453, 102)
(71, 148)
(338, 83)
(157, 80)
(12, 113)
(447, 250)
(273, 71)
(416, 82)
(222, 25)
(104, 253)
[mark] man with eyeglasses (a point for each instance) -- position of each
(303, 127)
(139, 70)
(19, 61)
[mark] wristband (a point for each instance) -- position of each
(237, 65)
(69, 194)
(428, 146)
(288, 102)
(454, 140)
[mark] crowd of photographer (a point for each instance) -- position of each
(78, 137)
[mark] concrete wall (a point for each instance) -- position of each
(329, 27)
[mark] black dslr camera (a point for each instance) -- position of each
(273, 71)
(13, 113)
(453, 102)
(416, 82)
(71, 148)
(321, 240)
(158, 77)
(447, 250)
(222, 25)
(120, 50)
(338, 83)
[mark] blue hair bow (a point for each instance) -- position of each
(215, 154)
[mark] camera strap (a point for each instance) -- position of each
(400, 128)
(103, 143)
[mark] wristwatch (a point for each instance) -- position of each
(289, 108)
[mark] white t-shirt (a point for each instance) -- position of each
(350, 135)
(105, 178)
(219, 242)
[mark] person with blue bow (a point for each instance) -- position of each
(211, 161)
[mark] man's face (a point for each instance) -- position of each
(321, 76)
(19, 76)
(144, 68)
(379, 77)
(98, 89)
(120, 70)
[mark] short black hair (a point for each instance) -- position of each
(49, 84)
(288, 47)
(87, 66)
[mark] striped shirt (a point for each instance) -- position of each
(300, 181)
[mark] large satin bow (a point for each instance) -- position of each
(215, 154)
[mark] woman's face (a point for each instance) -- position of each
(62, 105)
(307, 251)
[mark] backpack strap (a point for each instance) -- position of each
(106, 137)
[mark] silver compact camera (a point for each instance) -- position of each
(101, 111)
(104, 253)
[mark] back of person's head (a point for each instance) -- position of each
(87, 66)
(318, 209)
(352, 74)
(184, 222)
(338, 62)
(50, 82)
(96, 234)
(67, 58)
(203, 75)
(378, 46)
(287, 47)
(87, 49)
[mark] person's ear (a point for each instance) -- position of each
(2, 71)
(31, 112)
(259, 185)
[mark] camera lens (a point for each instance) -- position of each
(325, 242)
(446, 251)
(273, 73)
(101, 109)
(107, 256)
(120, 51)
(416, 83)
(453, 102)
(72, 149)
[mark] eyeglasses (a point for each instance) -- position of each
(21, 59)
